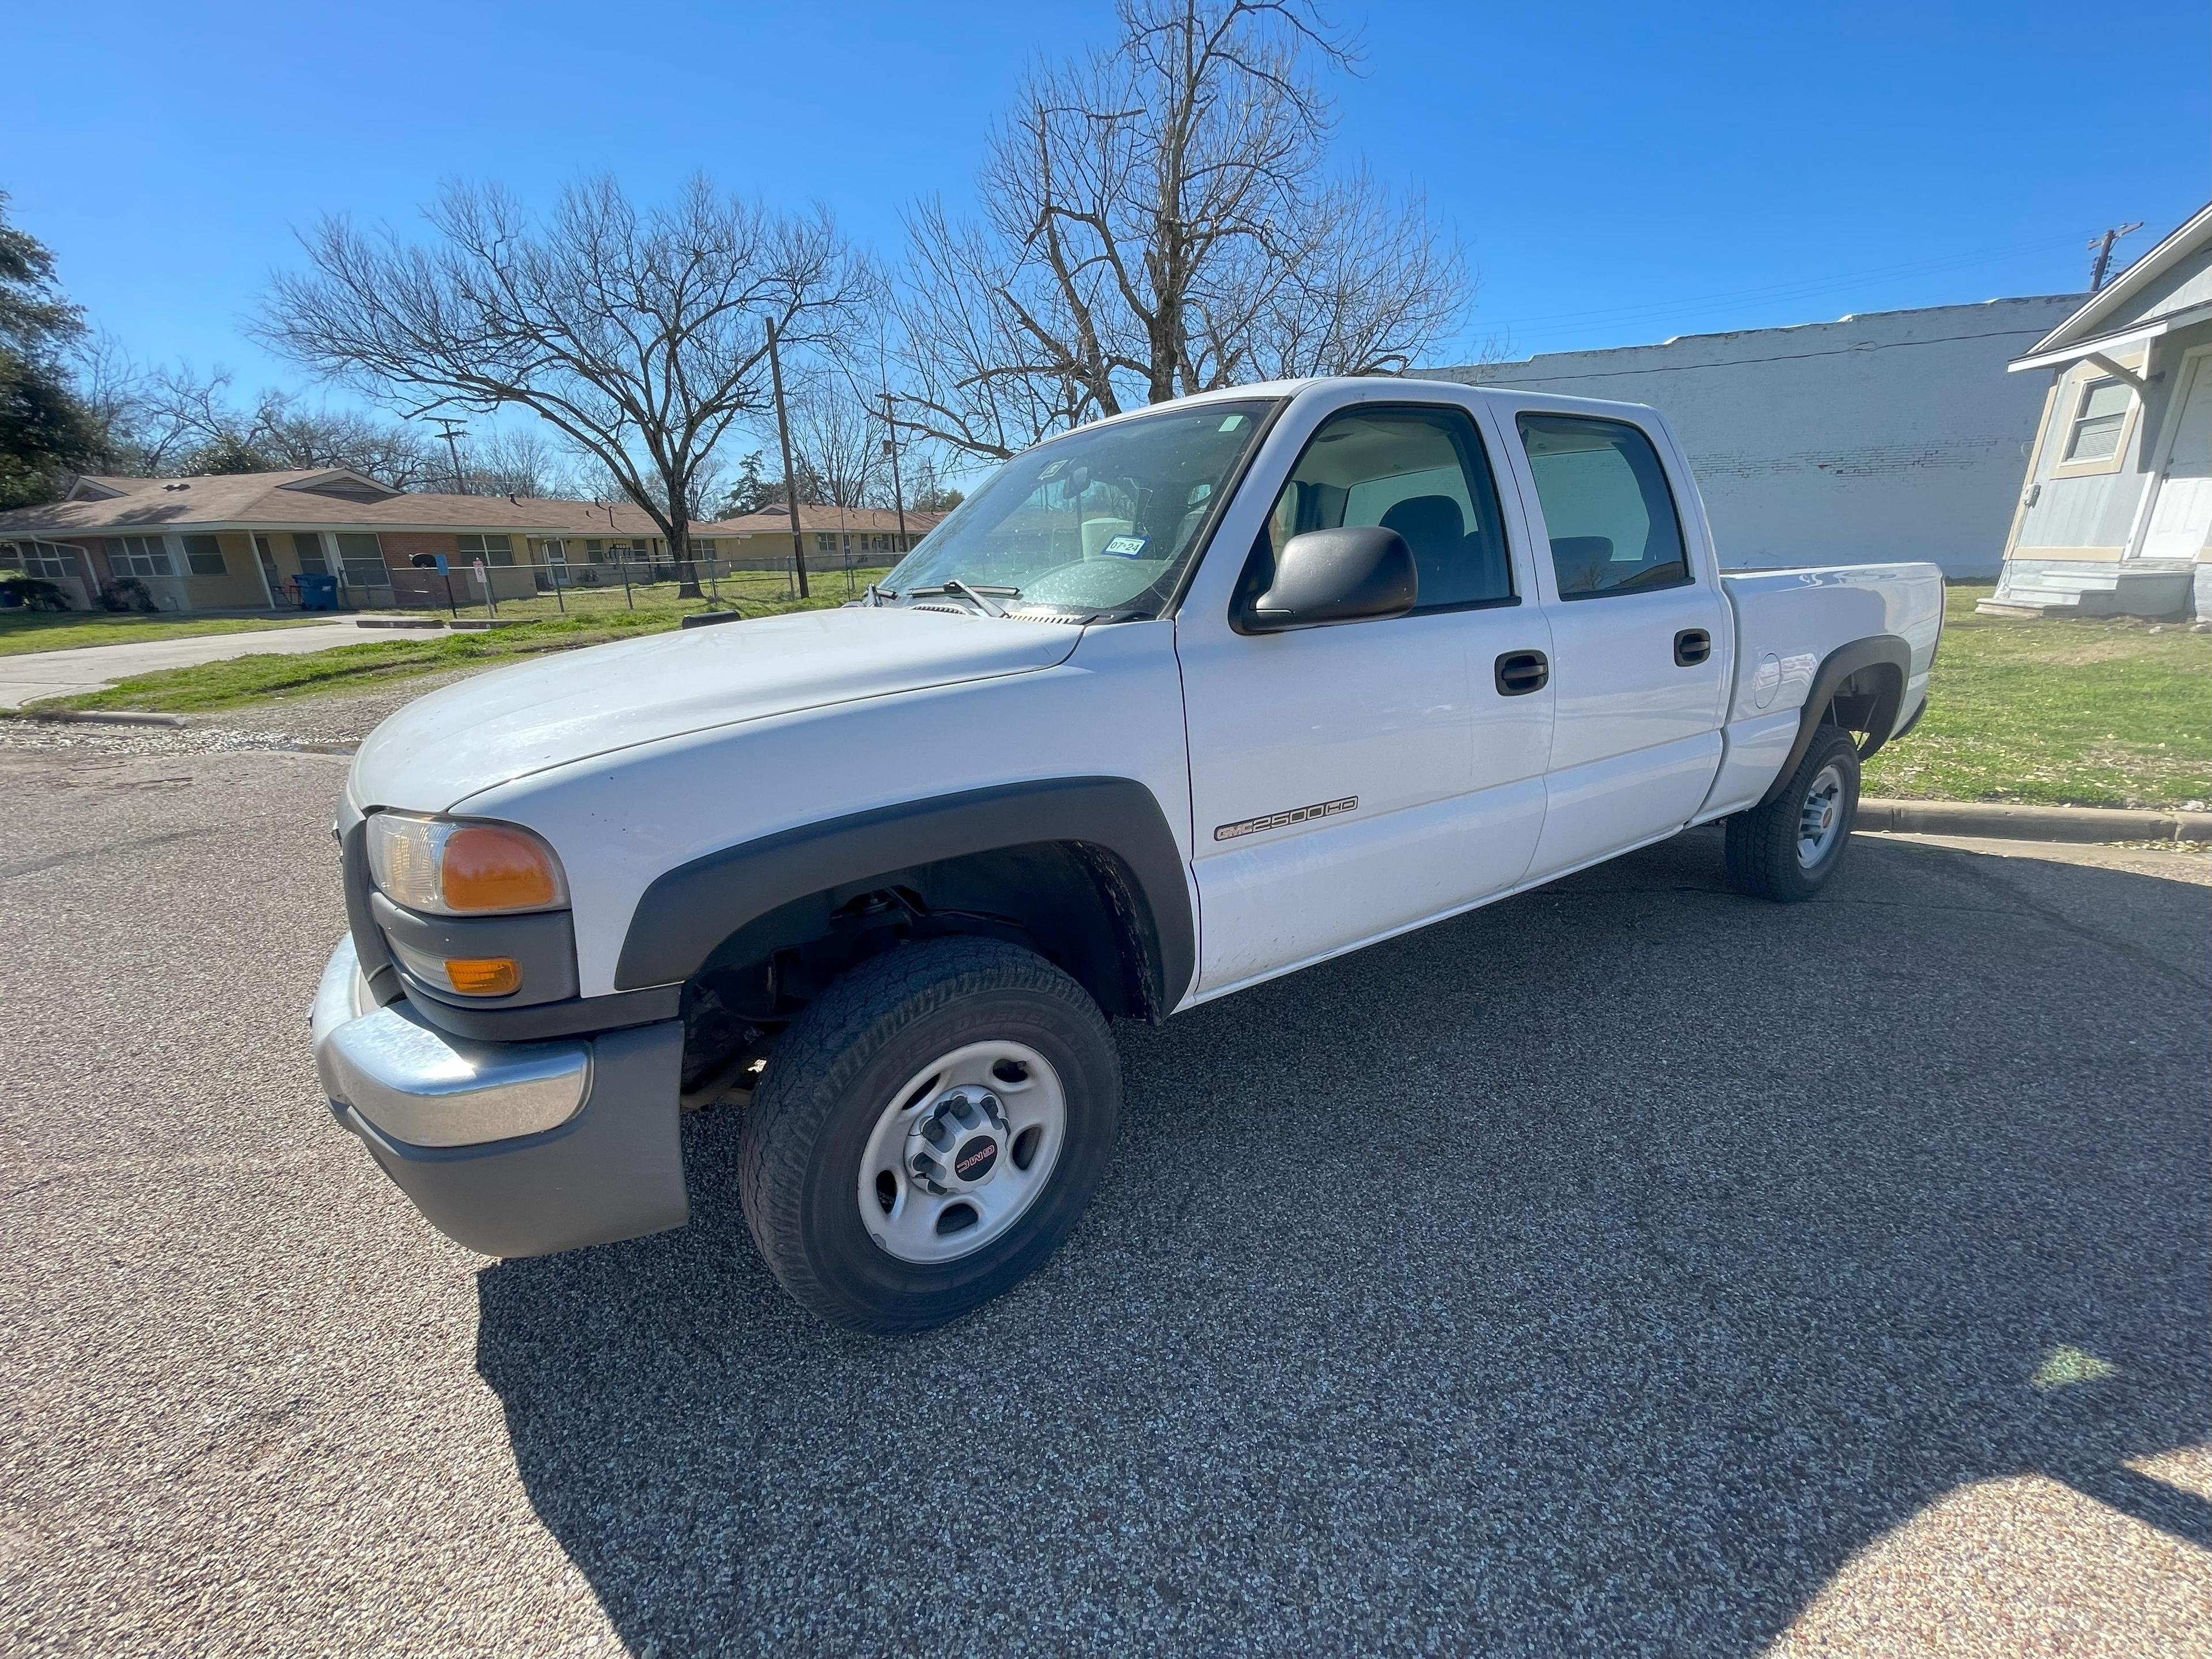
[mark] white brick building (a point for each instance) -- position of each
(1894, 435)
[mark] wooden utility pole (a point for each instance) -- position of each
(452, 429)
(898, 493)
(790, 478)
(2102, 246)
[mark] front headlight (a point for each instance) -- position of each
(450, 869)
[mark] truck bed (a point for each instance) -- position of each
(1787, 624)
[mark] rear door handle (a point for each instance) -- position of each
(1520, 672)
(1692, 647)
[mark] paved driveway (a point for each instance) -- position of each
(35, 674)
(1628, 1268)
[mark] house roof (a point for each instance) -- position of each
(2167, 288)
(335, 498)
(860, 520)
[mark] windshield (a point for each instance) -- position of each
(1104, 518)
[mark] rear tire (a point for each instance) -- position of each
(973, 1027)
(1788, 849)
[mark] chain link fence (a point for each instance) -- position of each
(573, 587)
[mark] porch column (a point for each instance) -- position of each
(253, 552)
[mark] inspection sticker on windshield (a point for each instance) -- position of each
(1126, 547)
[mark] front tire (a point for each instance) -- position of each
(928, 1132)
(1788, 849)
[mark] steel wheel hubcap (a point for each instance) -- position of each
(1820, 818)
(961, 1151)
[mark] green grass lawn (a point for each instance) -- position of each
(240, 682)
(2085, 713)
(22, 631)
(2075, 713)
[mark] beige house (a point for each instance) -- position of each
(242, 541)
(2114, 514)
(832, 536)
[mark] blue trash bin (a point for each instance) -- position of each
(317, 592)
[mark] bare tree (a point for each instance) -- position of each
(514, 461)
(1158, 219)
(163, 421)
(837, 446)
(638, 335)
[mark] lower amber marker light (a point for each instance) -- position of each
(484, 976)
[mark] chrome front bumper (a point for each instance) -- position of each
(511, 1148)
(410, 1081)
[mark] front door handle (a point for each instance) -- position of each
(1692, 647)
(1520, 672)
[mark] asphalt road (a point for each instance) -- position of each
(1628, 1268)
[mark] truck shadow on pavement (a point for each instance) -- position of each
(1594, 1273)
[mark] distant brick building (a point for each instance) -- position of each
(241, 541)
(1897, 434)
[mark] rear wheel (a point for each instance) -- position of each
(929, 1131)
(1789, 849)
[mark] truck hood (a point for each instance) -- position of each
(573, 705)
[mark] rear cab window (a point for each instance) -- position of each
(1608, 509)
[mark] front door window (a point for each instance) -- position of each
(1421, 472)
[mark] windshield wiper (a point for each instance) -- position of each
(960, 590)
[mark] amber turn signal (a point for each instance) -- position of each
(484, 976)
(487, 867)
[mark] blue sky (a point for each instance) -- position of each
(1619, 172)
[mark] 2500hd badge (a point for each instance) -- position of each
(1283, 820)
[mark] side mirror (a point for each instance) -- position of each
(1361, 572)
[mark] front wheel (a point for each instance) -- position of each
(1789, 849)
(929, 1131)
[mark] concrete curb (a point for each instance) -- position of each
(74, 717)
(1994, 821)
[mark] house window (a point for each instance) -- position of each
(48, 561)
(137, 555)
(492, 549)
(2100, 419)
(363, 559)
(825, 543)
(203, 554)
(705, 548)
(307, 544)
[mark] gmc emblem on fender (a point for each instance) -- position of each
(1327, 809)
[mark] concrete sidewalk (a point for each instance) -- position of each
(65, 673)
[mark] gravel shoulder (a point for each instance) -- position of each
(1625, 1268)
(325, 721)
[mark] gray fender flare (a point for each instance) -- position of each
(1839, 665)
(689, 910)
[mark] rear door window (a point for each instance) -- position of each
(1608, 507)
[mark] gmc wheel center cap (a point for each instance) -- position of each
(955, 1145)
(974, 1158)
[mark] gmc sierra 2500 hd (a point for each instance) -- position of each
(1176, 703)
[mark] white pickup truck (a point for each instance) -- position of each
(1176, 703)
